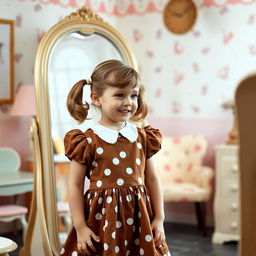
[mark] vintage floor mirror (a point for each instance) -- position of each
(67, 53)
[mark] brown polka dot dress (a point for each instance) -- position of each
(117, 205)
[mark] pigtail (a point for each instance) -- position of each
(142, 110)
(77, 109)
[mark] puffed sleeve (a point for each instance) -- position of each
(77, 147)
(154, 140)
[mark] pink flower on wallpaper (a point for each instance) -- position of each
(37, 7)
(158, 93)
(176, 107)
(137, 35)
(206, 50)
(158, 69)
(17, 57)
(224, 10)
(4, 109)
(223, 72)
(178, 48)
(196, 33)
(178, 78)
(18, 20)
(195, 109)
(196, 67)
(40, 34)
(149, 53)
(227, 37)
(204, 89)
(159, 34)
(251, 19)
(252, 50)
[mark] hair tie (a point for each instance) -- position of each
(89, 81)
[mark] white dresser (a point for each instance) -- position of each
(226, 202)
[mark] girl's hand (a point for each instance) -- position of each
(158, 231)
(84, 240)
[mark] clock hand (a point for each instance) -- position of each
(187, 9)
(176, 14)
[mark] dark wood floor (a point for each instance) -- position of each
(183, 240)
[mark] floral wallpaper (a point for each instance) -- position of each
(189, 75)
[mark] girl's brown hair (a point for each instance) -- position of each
(112, 73)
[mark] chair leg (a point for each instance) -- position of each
(25, 225)
(201, 216)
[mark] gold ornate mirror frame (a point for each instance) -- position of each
(44, 213)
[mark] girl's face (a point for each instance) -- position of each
(117, 105)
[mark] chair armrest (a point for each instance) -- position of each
(203, 177)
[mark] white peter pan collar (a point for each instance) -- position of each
(130, 132)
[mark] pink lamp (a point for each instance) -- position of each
(25, 102)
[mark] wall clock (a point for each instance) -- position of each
(180, 16)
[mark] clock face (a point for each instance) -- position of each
(180, 15)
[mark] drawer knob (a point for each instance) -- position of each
(234, 168)
(234, 207)
(234, 188)
(234, 225)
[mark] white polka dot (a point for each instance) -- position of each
(137, 241)
(148, 238)
(139, 145)
(115, 161)
(90, 202)
(74, 253)
(100, 200)
(109, 199)
(139, 214)
(118, 224)
(129, 198)
(95, 194)
(127, 253)
(99, 150)
(105, 225)
(98, 216)
(120, 198)
(99, 183)
(140, 180)
(139, 196)
(94, 164)
(88, 196)
(129, 170)
(117, 249)
(142, 189)
(138, 162)
(105, 246)
(120, 182)
(62, 251)
(122, 154)
(89, 140)
(148, 198)
(125, 242)
(113, 234)
(107, 172)
(103, 210)
(116, 209)
(114, 191)
(91, 173)
(141, 251)
(129, 221)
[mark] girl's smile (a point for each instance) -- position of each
(117, 105)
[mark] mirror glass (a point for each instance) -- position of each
(74, 56)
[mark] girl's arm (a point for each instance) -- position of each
(75, 192)
(153, 184)
(76, 203)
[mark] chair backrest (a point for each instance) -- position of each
(9, 160)
(179, 157)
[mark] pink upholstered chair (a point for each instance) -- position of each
(183, 177)
(10, 162)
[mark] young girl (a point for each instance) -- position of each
(122, 212)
